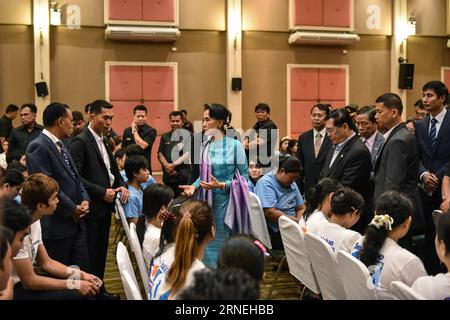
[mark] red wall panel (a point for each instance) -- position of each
(304, 84)
(125, 83)
(332, 84)
(158, 115)
(308, 13)
(156, 166)
(336, 13)
(447, 78)
(158, 83)
(123, 115)
(300, 116)
(125, 9)
(158, 10)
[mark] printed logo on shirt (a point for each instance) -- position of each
(330, 242)
(374, 270)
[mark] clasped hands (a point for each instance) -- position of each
(430, 181)
(111, 194)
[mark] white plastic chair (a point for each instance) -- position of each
(136, 247)
(258, 221)
(124, 264)
(325, 267)
(402, 291)
(131, 290)
(123, 219)
(355, 278)
(296, 255)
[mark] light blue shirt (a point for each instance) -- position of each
(338, 148)
(273, 195)
(144, 185)
(133, 208)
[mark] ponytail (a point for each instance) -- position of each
(141, 228)
(195, 225)
(392, 209)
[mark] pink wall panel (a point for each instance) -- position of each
(123, 115)
(336, 13)
(125, 83)
(332, 84)
(304, 84)
(156, 166)
(447, 78)
(158, 10)
(158, 115)
(125, 9)
(158, 83)
(300, 117)
(335, 104)
(308, 13)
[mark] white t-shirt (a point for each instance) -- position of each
(394, 264)
(433, 288)
(30, 246)
(338, 237)
(159, 269)
(314, 222)
(197, 265)
(150, 245)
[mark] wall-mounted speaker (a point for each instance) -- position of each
(406, 76)
(41, 89)
(236, 84)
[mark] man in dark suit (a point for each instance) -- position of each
(102, 180)
(313, 146)
(64, 232)
(432, 135)
(348, 161)
(396, 166)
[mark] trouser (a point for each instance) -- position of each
(97, 230)
(275, 240)
(20, 293)
(71, 251)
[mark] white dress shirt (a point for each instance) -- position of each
(104, 153)
(52, 137)
(440, 118)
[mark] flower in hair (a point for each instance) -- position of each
(382, 221)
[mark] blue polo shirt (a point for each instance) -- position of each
(273, 195)
(133, 208)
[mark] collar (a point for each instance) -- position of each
(36, 126)
(372, 138)
(440, 116)
(96, 136)
(388, 133)
(342, 144)
(322, 132)
(51, 136)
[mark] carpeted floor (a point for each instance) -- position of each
(284, 288)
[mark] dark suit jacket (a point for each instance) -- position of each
(376, 148)
(311, 166)
(94, 174)
(43, 156)
(351, 167)
(396, 169)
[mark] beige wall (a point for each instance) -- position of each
(430, 16)
(265, 15)
(265, 59)
(78, 65)
(16, 65)
(16, 12)
(361, 17)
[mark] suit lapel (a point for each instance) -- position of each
(377, 146)
(343, 151)
(443, 131)
(326, 142)
(58, 155)
(97, 150)
(396, 129)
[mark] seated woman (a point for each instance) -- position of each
(319, 205)
(346, 209)
(438, 287)
(283, 146)
(379, 250)
(156, 199)
(195, 230)
(254, 173)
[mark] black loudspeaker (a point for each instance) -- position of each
(41, 89)
(406, 76)
(236, 84)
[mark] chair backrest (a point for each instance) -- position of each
(123, 219)
(134, 241)
(355, 278)
(124, 264)
(258, 221)
(402, 291)
(296, 255)
(325, 267)
(131, 290)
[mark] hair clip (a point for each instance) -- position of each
(261, 247)
(382, 221)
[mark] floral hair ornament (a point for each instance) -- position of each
(261, 247)
(382, 221)
(166, 215)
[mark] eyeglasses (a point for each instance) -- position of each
(333, 130)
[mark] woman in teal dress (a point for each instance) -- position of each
(221, 156)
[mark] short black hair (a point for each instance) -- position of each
(17, 217)
(183, 111)
(87, 107)
(370, 111)
(97, 105)
(341, 116)
(53, 112)
(263, 107)
(391, 101)
(15, 165)
(11, 108)
(6, 236)
(133, 149)
(345, 200)
(13, 177)
(176, 114)
(290, 164)
(140, 107)
(119, 153)
(419, 104)
(77, 116)
(32, 107)
(437, 87)
(323, 107)
(134, 164)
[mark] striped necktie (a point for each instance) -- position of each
(433, 135)
(66, 158)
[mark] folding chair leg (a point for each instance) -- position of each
(276, 277)
(303, 292)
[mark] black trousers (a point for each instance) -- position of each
(275, 240)
(71, 251)
(20, 293)
(97, 230)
